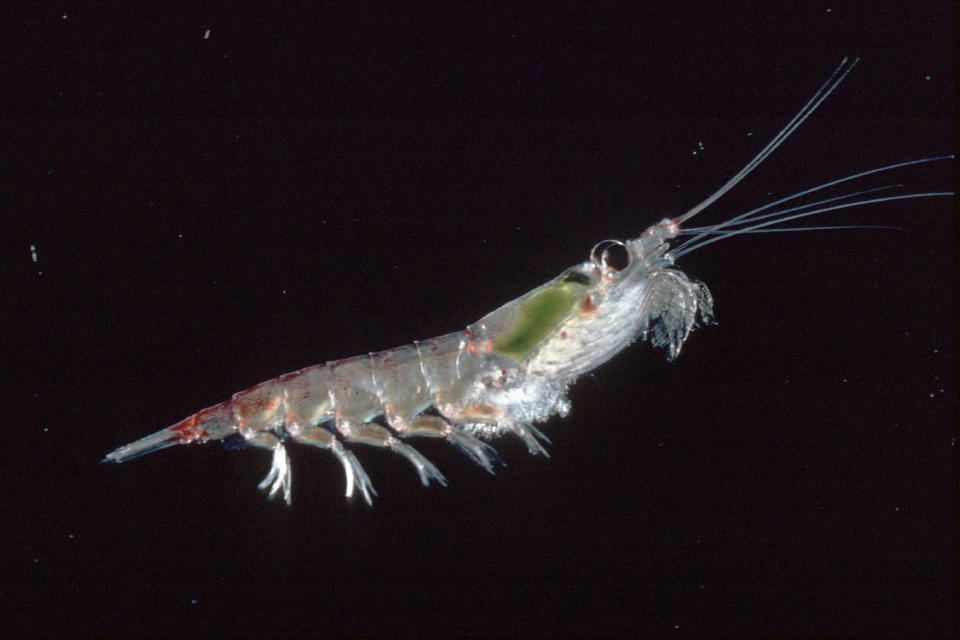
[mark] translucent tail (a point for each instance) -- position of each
(213, 423)
(154, 442)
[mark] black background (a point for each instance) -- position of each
(312, 182)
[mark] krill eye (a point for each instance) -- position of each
(616, 257)
(611, 256)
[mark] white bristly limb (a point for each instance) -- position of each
(318, 436)
(279, 476)
(529, 434)
(354, 473)
(477, 450)
(436, 427)
(378, 436)
(427, 470)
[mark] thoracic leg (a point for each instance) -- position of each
(324, 439)
(378, 436)
(279, 475)
(531, 437)
(436, 427)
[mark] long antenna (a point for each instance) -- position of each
(825, 90)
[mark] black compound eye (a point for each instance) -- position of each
(611, 256)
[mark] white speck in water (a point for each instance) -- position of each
(926, 77)
(936, 350)
(283, 291)
(34, 258)
(829, 10)
(897, 509)
(180, 235)
(844, 379)
(193, 601)
(931, 395)
(749, 133)
(64, 17)
(206, 34)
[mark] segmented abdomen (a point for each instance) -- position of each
(397, 383)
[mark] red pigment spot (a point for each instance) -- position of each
(479, 347)
(563, 334)
(186, 426)
(186, 430)
(291, 376)
(190, 429)
(588, 306)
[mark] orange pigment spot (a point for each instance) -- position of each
(481, 410)
(479, 347)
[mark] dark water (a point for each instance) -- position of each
(209, 210)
